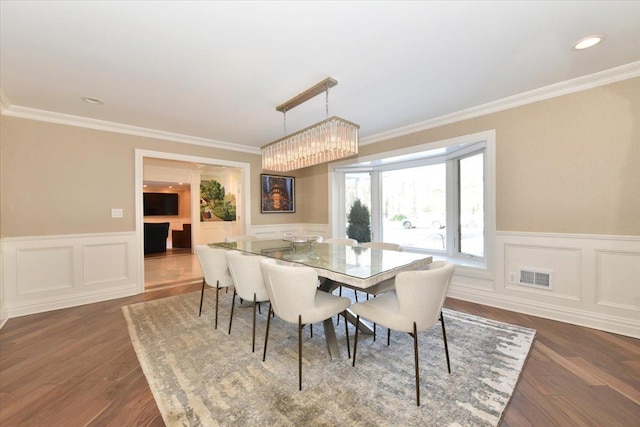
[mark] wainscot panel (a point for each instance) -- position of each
(53, 272)
(594, 280)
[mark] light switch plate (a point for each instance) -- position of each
(116, 213)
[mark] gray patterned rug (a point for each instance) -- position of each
(202, 376)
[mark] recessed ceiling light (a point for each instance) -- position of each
(92, 100)
(589, 41)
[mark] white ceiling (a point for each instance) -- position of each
(217, 70)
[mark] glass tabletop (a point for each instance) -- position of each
(353, 265)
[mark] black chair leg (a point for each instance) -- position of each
(253, 337)
(233, 302)
(311, 329)
(201, 298)
(217, 296)
(339, 294)
(388, 336)
(415, 350)
(299, 352)
(446, 347)
(266, 335)
(355, 342)
(346, 332)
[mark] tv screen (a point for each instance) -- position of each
(160, 204)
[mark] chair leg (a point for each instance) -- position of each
(415, 350)
(339, 294)
(253, 337)
(299, 352)
(266, 335)
(446, 347)
(233, 302)
(311, 329)
(217, 297)
(201, 298)
(388, 336)
(346, 332)
(355, 341)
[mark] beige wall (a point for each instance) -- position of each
(59, 179)
(570, 164)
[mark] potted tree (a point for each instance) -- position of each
(359, 225)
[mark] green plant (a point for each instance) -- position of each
(359, 226)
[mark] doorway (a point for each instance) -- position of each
(180, 174)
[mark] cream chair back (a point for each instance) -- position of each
(436, 264)
(292, 290)
(247, 276)
(214, 266)
(341, 241)
(421, 295)
(382, 245)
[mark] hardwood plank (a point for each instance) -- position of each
(79, 364)
(621, 386)
(567, 363)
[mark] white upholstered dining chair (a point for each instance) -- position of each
(213, 263)
(382, 245)
(295, 298)
(247, 283)
(414, 306)
(341, 241)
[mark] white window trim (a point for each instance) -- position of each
(336, 189)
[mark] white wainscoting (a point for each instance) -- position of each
(596, 279)
(52, 272)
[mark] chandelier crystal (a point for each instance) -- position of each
(331, 139)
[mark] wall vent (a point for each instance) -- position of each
(536, 278)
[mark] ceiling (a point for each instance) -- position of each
(217, 70)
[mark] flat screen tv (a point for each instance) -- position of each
(160, 204)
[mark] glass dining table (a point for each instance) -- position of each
(337, 265)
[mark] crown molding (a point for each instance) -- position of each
(85, 122)
(602, 78)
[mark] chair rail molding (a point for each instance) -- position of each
(595, 279)
(52, 272)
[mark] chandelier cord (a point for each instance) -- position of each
(327, 101)
(284, 114)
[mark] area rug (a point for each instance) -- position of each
(201, 376)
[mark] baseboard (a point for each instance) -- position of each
(23, 309)
(589, 319)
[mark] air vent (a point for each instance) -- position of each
(535, 278)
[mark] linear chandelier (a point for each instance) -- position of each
(326, 141)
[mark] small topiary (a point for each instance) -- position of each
(359, 227)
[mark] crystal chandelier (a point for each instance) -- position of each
(328, 140)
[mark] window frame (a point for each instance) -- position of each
(456, 148)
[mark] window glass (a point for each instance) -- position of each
(357, 185)
(414, 206)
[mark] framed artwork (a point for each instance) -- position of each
(278, 194)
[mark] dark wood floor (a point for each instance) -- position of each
(77, 367)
